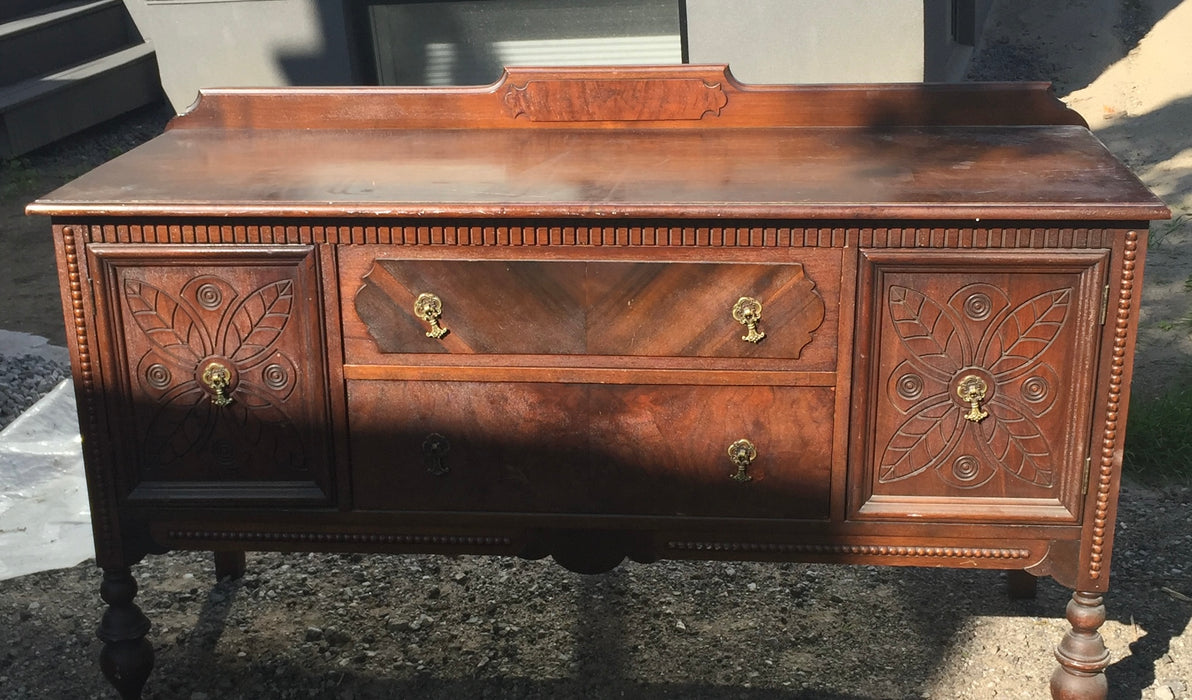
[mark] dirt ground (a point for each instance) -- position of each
(356, 627)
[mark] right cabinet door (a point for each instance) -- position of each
(976, 375)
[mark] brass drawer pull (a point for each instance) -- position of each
(429, 308)
(972, 390)
(742, 453)
(748, 311)
(434, 448)
(217, 378)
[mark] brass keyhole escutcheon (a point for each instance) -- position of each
(972, 390)
(217, 377)
(748, 311)
(429, 308)
(434, 449)
(742, 453)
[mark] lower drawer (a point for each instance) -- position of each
(588, 448)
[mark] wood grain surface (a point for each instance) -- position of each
(577, 448)
(1045, 172)
(658, 309)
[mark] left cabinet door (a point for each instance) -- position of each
(215, 372)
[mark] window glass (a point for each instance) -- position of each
(469, 42)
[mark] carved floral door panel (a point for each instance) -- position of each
(979, 386)
(220, 383)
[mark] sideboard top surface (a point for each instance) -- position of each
(691, 143)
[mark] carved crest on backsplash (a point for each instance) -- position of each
(977, 337)
(211, 319)
(646, 99)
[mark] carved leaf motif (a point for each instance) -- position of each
(258, 322)
(264, 434)
(920, 442)
(1027, 332)
(254, 429)
(1017, 445)
(928, 332)
(166, 322)
(184, 420)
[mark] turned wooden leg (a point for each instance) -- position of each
(127, 657)
(1082, 653)
(1021, 585)
(229, 565)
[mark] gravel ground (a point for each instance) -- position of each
(353, 627)
(23, 380)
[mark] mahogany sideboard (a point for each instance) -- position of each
(608, 313)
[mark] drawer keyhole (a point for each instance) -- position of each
(434, 449)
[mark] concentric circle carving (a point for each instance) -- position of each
(158, 376)
(209, 296)
(910, 386)
(966, 468)
(1035, 389)
(275, 377)
(978, 306)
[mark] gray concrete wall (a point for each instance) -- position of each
(208, 43)
(230, 43)
(844, 41)
(809, 41)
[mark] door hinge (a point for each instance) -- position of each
(1084, 481)
(1104, 303)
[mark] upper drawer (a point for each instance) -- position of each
(606, 308)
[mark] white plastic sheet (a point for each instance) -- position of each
(45, 520)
